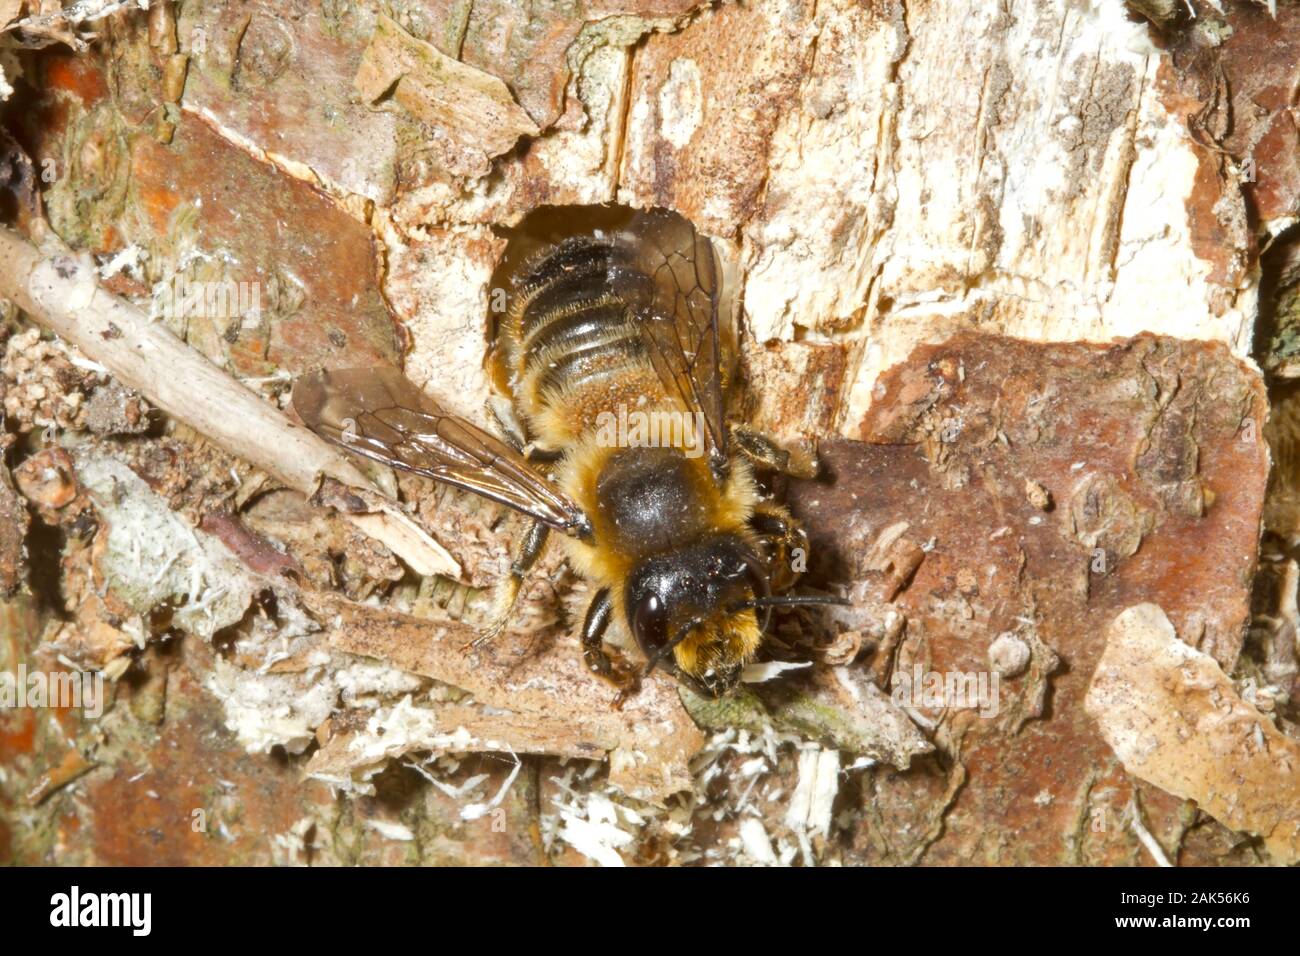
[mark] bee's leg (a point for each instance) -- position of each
(508, 426)
(507, 589)
(542, 456)
(766, 453)
(594, 626)
(614, 669)
(512, 435)
(783, 544)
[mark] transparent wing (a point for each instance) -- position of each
(667, 274)
(379, 414)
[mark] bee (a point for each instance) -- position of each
(613, 316)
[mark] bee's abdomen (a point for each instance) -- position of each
(574, 351)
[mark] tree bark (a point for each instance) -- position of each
(1014, 268)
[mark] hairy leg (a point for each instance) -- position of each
(507, 589)
(530, 548)
(510, 433)
(614, 669)
(782, 542)
(766, 453)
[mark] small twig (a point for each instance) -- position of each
(58, 289)
(1144, 836)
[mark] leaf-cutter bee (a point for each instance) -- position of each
(613, 320)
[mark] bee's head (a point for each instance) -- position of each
(693, 609)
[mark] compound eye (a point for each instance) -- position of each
(650, 624)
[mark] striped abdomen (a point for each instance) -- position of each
(572, 350)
